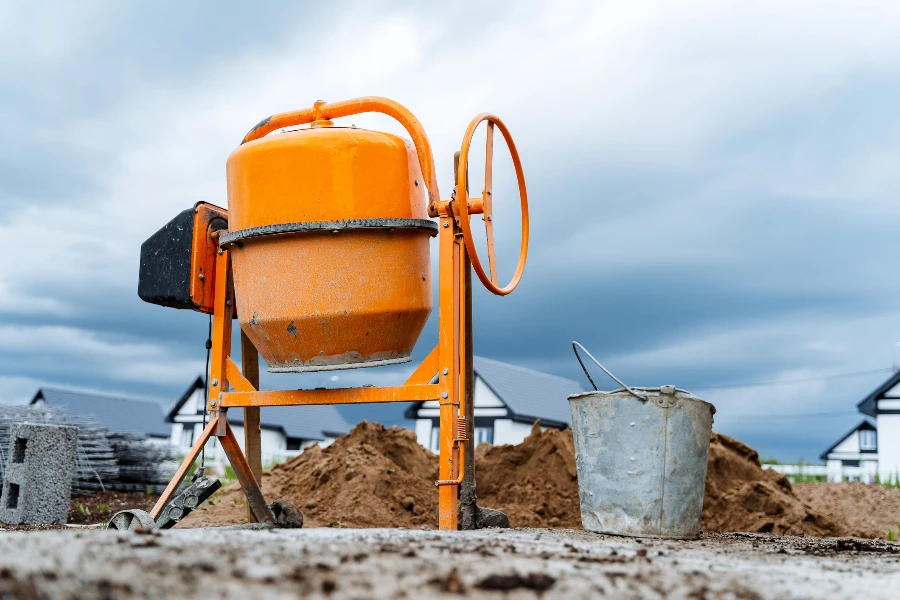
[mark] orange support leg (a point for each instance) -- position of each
(183, 469)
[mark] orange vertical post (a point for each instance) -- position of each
(449, 369)
(221, 338)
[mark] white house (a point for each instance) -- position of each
(854, 456)
(869, 449)
(508, 400)
(285, 430)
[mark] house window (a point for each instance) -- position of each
(850, 463)
(484, 434)
(435, 443)
(867, 440)
(187, 436)
(294, 444)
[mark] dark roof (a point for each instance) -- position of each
(116, 414)
(529, 395)
(869, 404)
(862, 425)
(304, 422)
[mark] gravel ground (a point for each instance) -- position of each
(397, 563)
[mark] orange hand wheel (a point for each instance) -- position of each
(485, 203)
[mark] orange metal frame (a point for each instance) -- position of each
(228, 388)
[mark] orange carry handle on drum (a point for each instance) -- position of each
(323, 256)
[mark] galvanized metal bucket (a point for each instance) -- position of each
(641, 459)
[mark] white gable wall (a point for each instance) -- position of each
(888, 445)
(894, 392)
(507, 431)
(849, 445)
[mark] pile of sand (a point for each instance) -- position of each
(741, 496)
(380, 477)
(862, 510)
(372, 477)
(534, 483)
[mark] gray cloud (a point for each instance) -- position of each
(712, 191)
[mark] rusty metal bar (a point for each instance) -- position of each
(365, 395)
(223, 421)
(255, 498)
(252, 432)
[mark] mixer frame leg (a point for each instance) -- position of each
(182, 471)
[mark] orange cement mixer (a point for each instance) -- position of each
(324, 257)
(329, 242)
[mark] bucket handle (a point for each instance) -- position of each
(576, 346)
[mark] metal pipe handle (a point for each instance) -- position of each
(576, 346)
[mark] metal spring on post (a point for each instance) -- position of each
(461, 434)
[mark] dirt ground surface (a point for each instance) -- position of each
(100, 507)
(863, 510)
(397, 563)
(92, 510)
(381, 477)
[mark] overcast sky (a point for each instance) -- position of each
(713, 185)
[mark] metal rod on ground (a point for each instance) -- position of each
(252, 442)
(467, 494)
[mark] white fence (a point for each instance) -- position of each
(831, 473)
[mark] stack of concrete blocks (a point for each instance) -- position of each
(37, 483)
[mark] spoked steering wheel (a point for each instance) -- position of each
(484, 204)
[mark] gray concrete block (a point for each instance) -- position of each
(38, 478)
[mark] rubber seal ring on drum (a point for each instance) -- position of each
(235, 237)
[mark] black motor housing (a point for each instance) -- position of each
(178, 261)
(165, 275)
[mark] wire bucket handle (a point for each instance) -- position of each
(576, 346)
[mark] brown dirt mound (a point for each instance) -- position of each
(379, 477)
(863, 510)
(742, 496)
(534, 483)
(371, 477)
